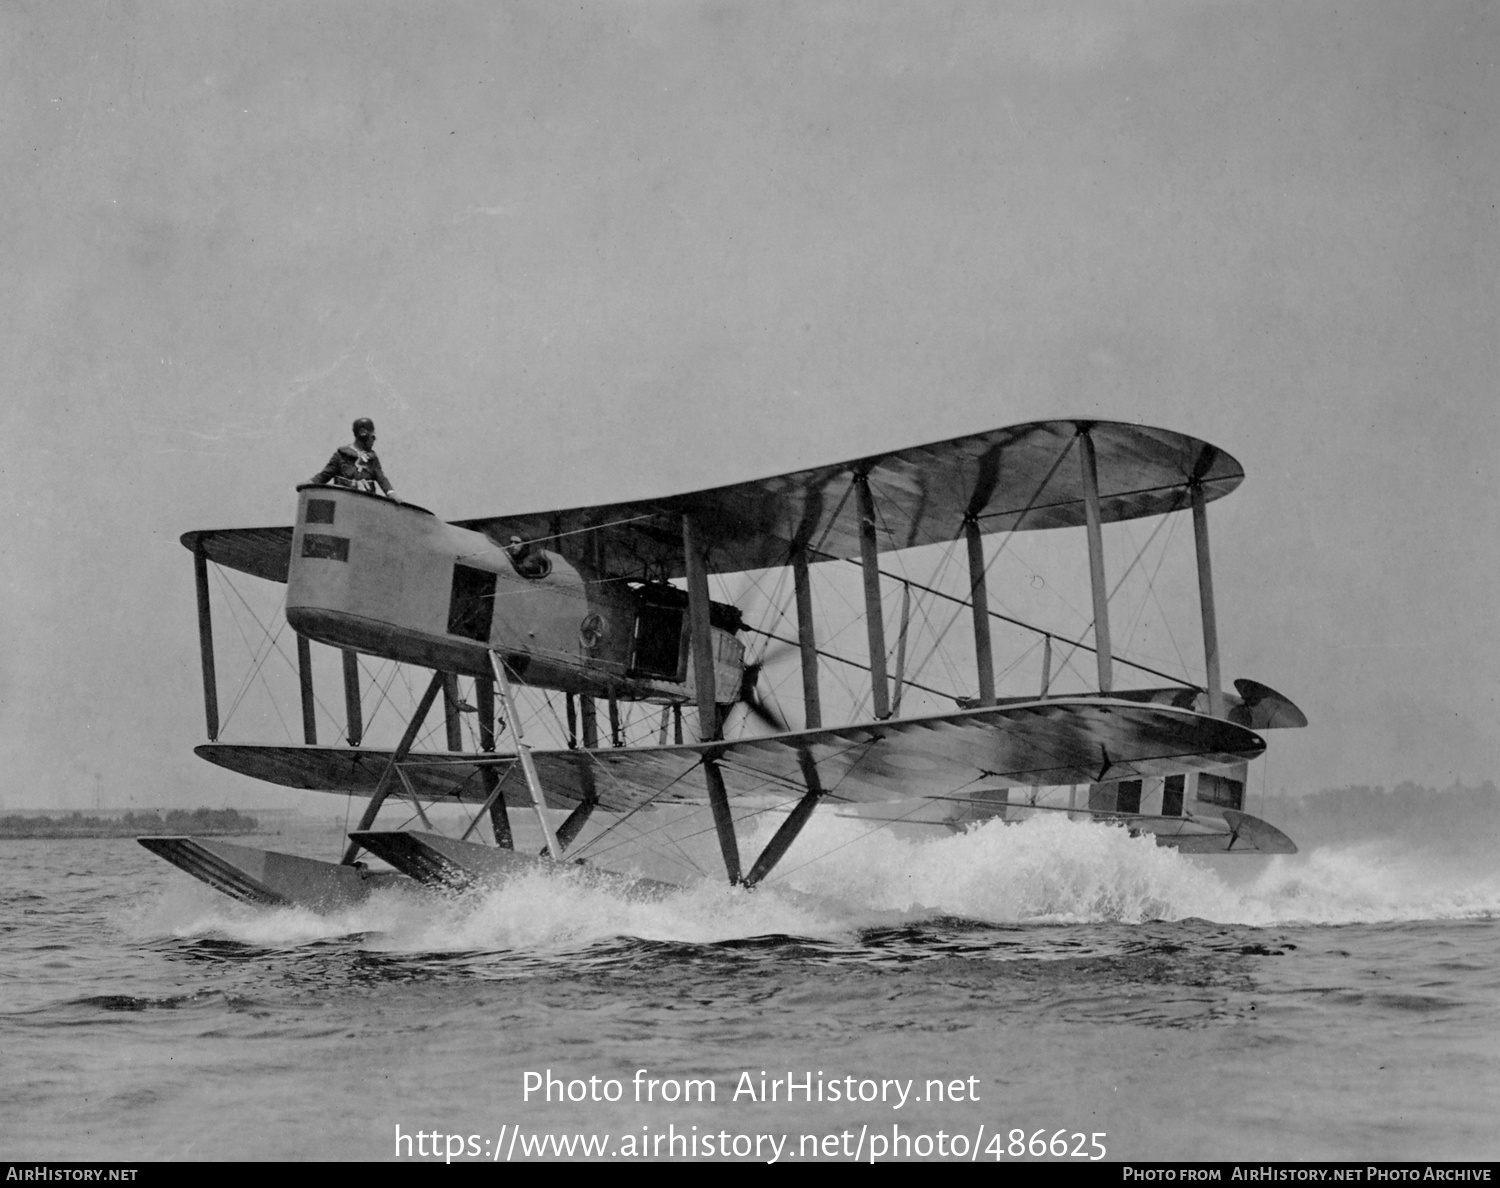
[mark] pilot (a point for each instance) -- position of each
(528, 563)
(357, 466)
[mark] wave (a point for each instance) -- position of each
(841, 879)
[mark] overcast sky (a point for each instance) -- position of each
(569, 254)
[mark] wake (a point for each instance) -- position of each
(842, 877)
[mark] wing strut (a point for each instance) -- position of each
(579, 817)
(792, 826)
(703, 685)
(979, 597)
(898, 676)
(493, 783)
(807, 641)
(869, 557)
(206, 642)
(484, 694)
(452, 723)
(1096, 560)
(574, 824)
(305, 682)
(589, 718)
(377, 798)
(1206, 603)
(351, 697)
(527, 764)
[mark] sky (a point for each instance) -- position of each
(574, 254)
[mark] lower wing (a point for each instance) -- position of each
(1064, 741)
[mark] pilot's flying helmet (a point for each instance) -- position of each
(363, 425)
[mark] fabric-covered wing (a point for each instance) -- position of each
(260, 552)
(1044, 742)
(1022, 478)
(356, 771)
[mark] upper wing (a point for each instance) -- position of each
(260, 552)
(1022, 478)
(1044, 742)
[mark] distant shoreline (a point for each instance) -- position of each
(203, 822)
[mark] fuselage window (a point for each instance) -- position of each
(326, 548)
(472, 604)
(1171, 795)
(658, 642)
(1128, 796)
(1221, 790)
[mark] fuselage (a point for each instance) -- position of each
(390, 579)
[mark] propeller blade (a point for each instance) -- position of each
(747, 698)
(766, 714)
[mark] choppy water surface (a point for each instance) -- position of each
(1336, 1004)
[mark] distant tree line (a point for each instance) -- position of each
(201, 821)
(1408, 811)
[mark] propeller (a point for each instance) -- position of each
(748, 696)
(750, 699)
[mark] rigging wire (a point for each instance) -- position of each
(258, 658)
(925, 610)
(833, 792)
(1166, 620)
(1004, 543)
(657, 795)
(1151, 594)
(1128, 570)
(383, 696)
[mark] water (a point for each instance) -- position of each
(1338, 1004)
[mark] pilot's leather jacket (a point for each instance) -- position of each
(351, 466)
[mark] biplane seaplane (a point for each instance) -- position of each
(612, 604)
